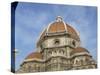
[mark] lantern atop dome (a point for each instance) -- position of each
(59, 19)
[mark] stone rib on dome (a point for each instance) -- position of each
(71, 30)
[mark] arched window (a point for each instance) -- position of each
(81, 62)
(29, 68)
(61, 51)
(55, 51)
(76, 62)
(73, 43)
(50, 52)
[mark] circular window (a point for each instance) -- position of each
(56, 42)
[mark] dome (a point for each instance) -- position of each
(59, 26)
(79, 50)
(34, 55)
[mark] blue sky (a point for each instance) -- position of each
(31, 18)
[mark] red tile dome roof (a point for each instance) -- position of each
(79, 50)
(59, 26)
(56, 27)
(34, 55)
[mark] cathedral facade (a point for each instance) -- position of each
(58, 49)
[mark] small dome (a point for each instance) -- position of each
(79, 50)
(34, 55)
